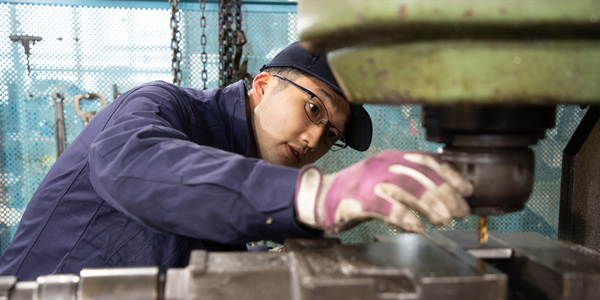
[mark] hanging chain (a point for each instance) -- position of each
(231, 42)
(203, 56)
(225, 43)
(175, 40)
(240, 41)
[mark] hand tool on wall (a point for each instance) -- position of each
(87, 116)
(59, 123)
(25, 40)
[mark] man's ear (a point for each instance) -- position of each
(260, 84)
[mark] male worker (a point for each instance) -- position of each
(164, 170)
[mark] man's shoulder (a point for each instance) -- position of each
(230, 95)
(163, 92)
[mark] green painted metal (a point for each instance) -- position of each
(479, 51)
(470, 71)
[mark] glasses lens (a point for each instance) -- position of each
(315, 110)
(334, 139)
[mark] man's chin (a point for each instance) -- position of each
(280, 161)
(287, 163)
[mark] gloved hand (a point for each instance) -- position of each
(383, 187)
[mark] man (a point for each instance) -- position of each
(164, 170)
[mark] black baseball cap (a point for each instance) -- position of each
(359, 131)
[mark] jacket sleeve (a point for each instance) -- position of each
(144, 165)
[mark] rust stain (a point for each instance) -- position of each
(402, 11)
(503, 10)
(382, 73)
(468, 13)
(371, 60)
(361, 72)
(360, 17)
(465, 84)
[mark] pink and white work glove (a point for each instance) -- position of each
(385, 187)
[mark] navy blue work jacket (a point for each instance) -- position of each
(159, 172)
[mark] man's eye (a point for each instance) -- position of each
(332, 136)
(315, 109)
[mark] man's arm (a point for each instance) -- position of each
(144, 164)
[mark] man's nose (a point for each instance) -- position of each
(313, 135)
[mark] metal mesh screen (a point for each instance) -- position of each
(103, 49)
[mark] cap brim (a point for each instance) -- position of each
(360, 130)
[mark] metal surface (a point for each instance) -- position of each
(580, 188)
(120, 284)
(436, 265)
(490, 126)
(6, 283)
(402, 51)
(489, 146)
(326, 27)
(537, 267)
(59, 286)
(540, 267)
(502, 178)
(231, 276)
(25, 290)
(415, 268)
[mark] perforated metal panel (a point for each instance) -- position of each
(103, 49)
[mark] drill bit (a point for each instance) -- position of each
(483, 229)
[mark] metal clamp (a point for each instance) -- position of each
(87, 116)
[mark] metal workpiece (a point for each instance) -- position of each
(25, 290)
(416, 268)
(59, 286)
(48, 287)
(538, 267)
(324, 270)
(434, 265)
(231, 275)
(105, 284)
(6, 284)
(440, 52)
(123, 283)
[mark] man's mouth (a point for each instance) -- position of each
(293, 154)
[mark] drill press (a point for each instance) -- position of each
(488, 75)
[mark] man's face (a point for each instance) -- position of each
(284, 133)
